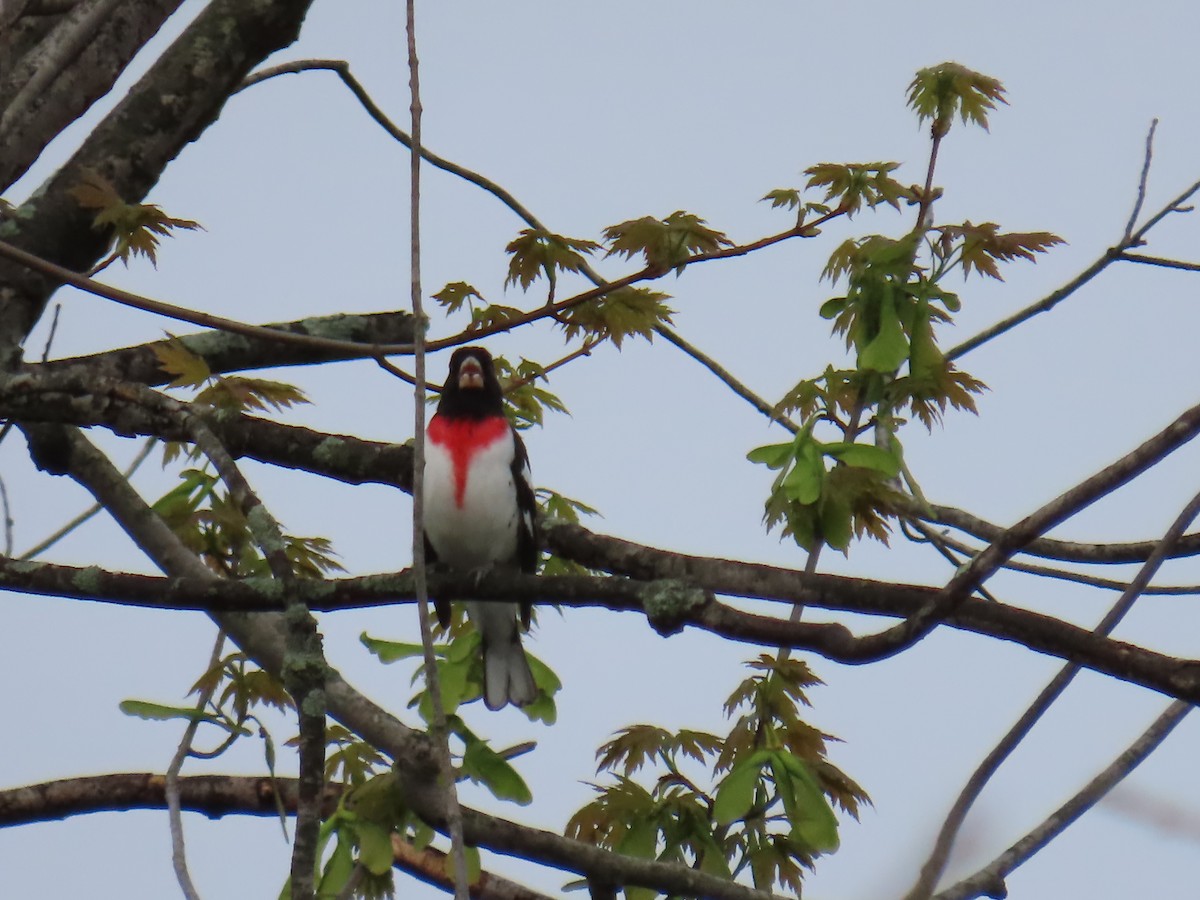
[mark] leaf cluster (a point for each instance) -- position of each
(939, 92)
(851, 186)
(980, 247)
(621, 313)
(536, 252)
(829, 493)
(756, 801)
(460, 672)
(235, 688)
(664, 244)
(525, 399)
(136, 227)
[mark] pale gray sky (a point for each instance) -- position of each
(593, 114)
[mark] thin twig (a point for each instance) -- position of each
(8, 519)
(174, 814)
(932, 870)
(1136, 239)
(989, 881)
(1159, 261)
(903, 635)
(44, 545)
(53, 331)
(1141, 189)
(1111, 584)
(181, 314)
(441, 736)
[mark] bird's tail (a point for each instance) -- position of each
(507, 677)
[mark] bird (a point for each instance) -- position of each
(480, 514)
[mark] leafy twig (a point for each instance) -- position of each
(342, 69)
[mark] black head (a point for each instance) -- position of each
(471, 388)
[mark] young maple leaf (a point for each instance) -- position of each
(854, 184)
(982, 245)
(137, 227)
(456, 294)
(189, 369)
(618, 314)
(536, 252)
(937, 93)
(665, 243)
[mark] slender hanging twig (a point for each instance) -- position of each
(440, 735)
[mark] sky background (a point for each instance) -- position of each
(591, 115)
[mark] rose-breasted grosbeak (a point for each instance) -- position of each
(479, 513)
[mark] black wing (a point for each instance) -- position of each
(529, 550)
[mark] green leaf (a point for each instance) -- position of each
(392, 651)
(937, 93)
(536, 252)
(485, 766)
(735, 794)
(621, 313)
(981, 246)
(160, 712)
(665, 243)
(773, 456)
(803, 481)
(187, 368)
(374, 847)
(809, 813)
(337, 870)
(136, 227)
(457, 293)
(833, 307)
(783, 197)
(836, 520)
(889, 348)
(854, 185)
(866, 455)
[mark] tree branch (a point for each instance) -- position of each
(936, 863)
(1128, 240)
(197, 73)
(989, 881)
(65, 451)
(51, 86)
(358, 333)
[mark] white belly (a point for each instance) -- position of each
(482, 529)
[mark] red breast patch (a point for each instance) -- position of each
(463, 439)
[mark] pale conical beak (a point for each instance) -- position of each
(470, 375)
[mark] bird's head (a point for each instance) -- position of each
(472, 387)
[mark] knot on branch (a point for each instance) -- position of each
(668, 602)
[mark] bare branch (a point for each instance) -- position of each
(1055, 297)
(935, 865)
(358, 331)
(1159, 261)
(347, 349)
(989, 881)
(908, 632)
(1141, 188)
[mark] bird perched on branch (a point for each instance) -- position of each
(479, 513)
